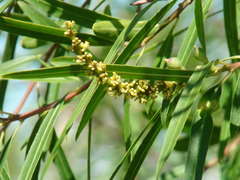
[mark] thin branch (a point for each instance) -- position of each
(25, 97)
(69, 96)
(169, 19)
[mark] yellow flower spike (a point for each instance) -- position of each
(69, 24)
(133, 92)
(84, 46)
(139, 90)
(80, 59)
(143, 100)
(101, 67)
(70, 33)
(103, 77)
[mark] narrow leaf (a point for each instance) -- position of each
(61, 161)
(199, 19)
(35, 15)
(8, 54)
(5, 5)
(96, 98)
(81, 16)
(190, 38)
(76, 70)
(38, 145)
(180, 115)
(235, 110)
(231, 29)
(143, 150)
(13, 64)
(134, 143)
(197, 149)
(139, 37)
(44, 32)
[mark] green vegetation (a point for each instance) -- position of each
(174, 110)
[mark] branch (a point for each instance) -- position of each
(69, 96)
(25, 97)
(169, 19)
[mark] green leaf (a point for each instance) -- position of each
(231, 167)
(126, 124)
(14, 64)
(235, 105)
(190, 38)
(180, 115)
(5, 5)
(142, 33)
(76, 70)
(107, 10)
(110, 30)
(8, 54)
(5, 151)
(176, 172)
(4, 174)
(44, 32)
(199, 19)
(81, 16)
(89, 149)
(63, 60)
(38, 145)
(165, 50)
(134, 143)
(31, 43)
(231, 29)
(35, 15)
(61, 161)
(96, 98)
(143, 149)
(231, 84)
(200, 136)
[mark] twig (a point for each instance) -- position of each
(69, 96)
(25, 97)
(169, 19)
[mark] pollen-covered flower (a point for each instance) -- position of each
(114, 80)
(84, 58)
(69, 24)
(69, 32)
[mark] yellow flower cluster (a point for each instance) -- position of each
(140, 90)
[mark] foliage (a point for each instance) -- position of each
(188, 100)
